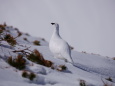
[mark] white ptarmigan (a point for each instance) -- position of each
(59, 47)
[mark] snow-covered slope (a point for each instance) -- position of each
(94, 69)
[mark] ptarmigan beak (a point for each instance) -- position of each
(52, 23)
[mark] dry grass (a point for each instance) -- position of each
(113, 58)
(30, 75)
(36, 42)
(25, 39)
(61, 68)
(10, 39)
(37, 57)
(2, 26)
(18, 62)
(109, 79)
(82, 83)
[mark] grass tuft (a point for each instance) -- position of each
(25, 74)
(10, 39)
(36, 42)
(32, 76)
(82, 83)
(37, 57)
(18, 62)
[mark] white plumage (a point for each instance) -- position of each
(59, 47)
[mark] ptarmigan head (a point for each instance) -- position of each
(52, 23)
(56, 25)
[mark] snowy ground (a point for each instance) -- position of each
(94, 69)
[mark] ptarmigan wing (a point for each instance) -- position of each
(66, 51)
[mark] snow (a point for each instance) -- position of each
(91, 68)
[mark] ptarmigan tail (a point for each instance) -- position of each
(72, 62)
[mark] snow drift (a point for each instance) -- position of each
(93, 69)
